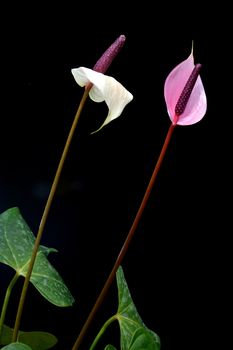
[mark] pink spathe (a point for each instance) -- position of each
(174, 85)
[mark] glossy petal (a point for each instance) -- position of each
(174, 84)
(106, 89)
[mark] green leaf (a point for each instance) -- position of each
(144, 339)
(6, 335)
(109, 347)
(16, 244)
(134, 334)
(16, 346)
(36, 340)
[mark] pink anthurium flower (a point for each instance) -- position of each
(104, 88)
(184, 93)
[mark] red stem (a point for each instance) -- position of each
(125, 246)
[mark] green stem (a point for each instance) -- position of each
(6, 301)
(45, 214)
(102, 330)
(127, 241)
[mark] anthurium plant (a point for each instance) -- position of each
(21, 250)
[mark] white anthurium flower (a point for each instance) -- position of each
(105, 88)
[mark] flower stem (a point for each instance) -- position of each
(127, 241)
(45, 214)
(102, 330)
(6, 301)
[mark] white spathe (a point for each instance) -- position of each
(104, 88)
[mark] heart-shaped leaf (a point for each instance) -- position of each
(144, 339)
(109, 347)
(16, 244)
(36, 340)
(134, 334)
(16, 346)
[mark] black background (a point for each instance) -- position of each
(178, 263)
